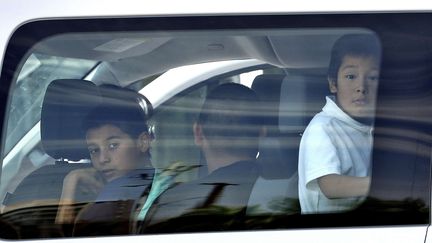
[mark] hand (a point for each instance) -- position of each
(82, 183)
(78, 184)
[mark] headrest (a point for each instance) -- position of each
(115, 95)
(268, 88)
(301, 97)
(66, 103)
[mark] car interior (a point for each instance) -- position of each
(70, 71)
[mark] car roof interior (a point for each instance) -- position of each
(127, 57)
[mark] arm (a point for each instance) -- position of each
(340, 186)
(78, 182)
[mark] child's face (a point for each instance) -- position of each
(356, 85)
(113, 152)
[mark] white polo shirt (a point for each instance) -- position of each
(333, 143)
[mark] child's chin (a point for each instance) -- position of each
(362, 114)
(111, 178)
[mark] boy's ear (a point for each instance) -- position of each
(198, 134)
(332, 85)
(144, 142)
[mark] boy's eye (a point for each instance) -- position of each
(93, 151)
(350, 76)
(113, 145)
(373, 78)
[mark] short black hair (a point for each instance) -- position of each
(119, 107)
(365, 45)
(231, 114)
(130, 120)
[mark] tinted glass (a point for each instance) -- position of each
(248, 123)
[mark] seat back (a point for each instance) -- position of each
(65, 104)
(271, 158)
(290, 102)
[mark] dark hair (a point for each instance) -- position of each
(366, 45)
(120, 107)
(231, 116)
(128, 119)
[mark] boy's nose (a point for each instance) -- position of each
(361, 90)
(104, 156)
(362, 86)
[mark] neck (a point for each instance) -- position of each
(219, 160)
(364, 120)
(146, 162)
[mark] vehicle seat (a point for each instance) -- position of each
(291, 102)
(271, 155)
(64, 100)
(66, 103)
(33, 205)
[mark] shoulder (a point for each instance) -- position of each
(236, 173)
(321, 134)
(321, 123)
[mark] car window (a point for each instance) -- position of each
(220, 124)
(37, 72)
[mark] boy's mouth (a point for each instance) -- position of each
(361, 101)
(108, 173)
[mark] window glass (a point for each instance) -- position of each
(232, 129)
(37, 72)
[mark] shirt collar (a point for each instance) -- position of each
(334, 110)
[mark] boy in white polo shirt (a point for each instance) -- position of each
(335, 150)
